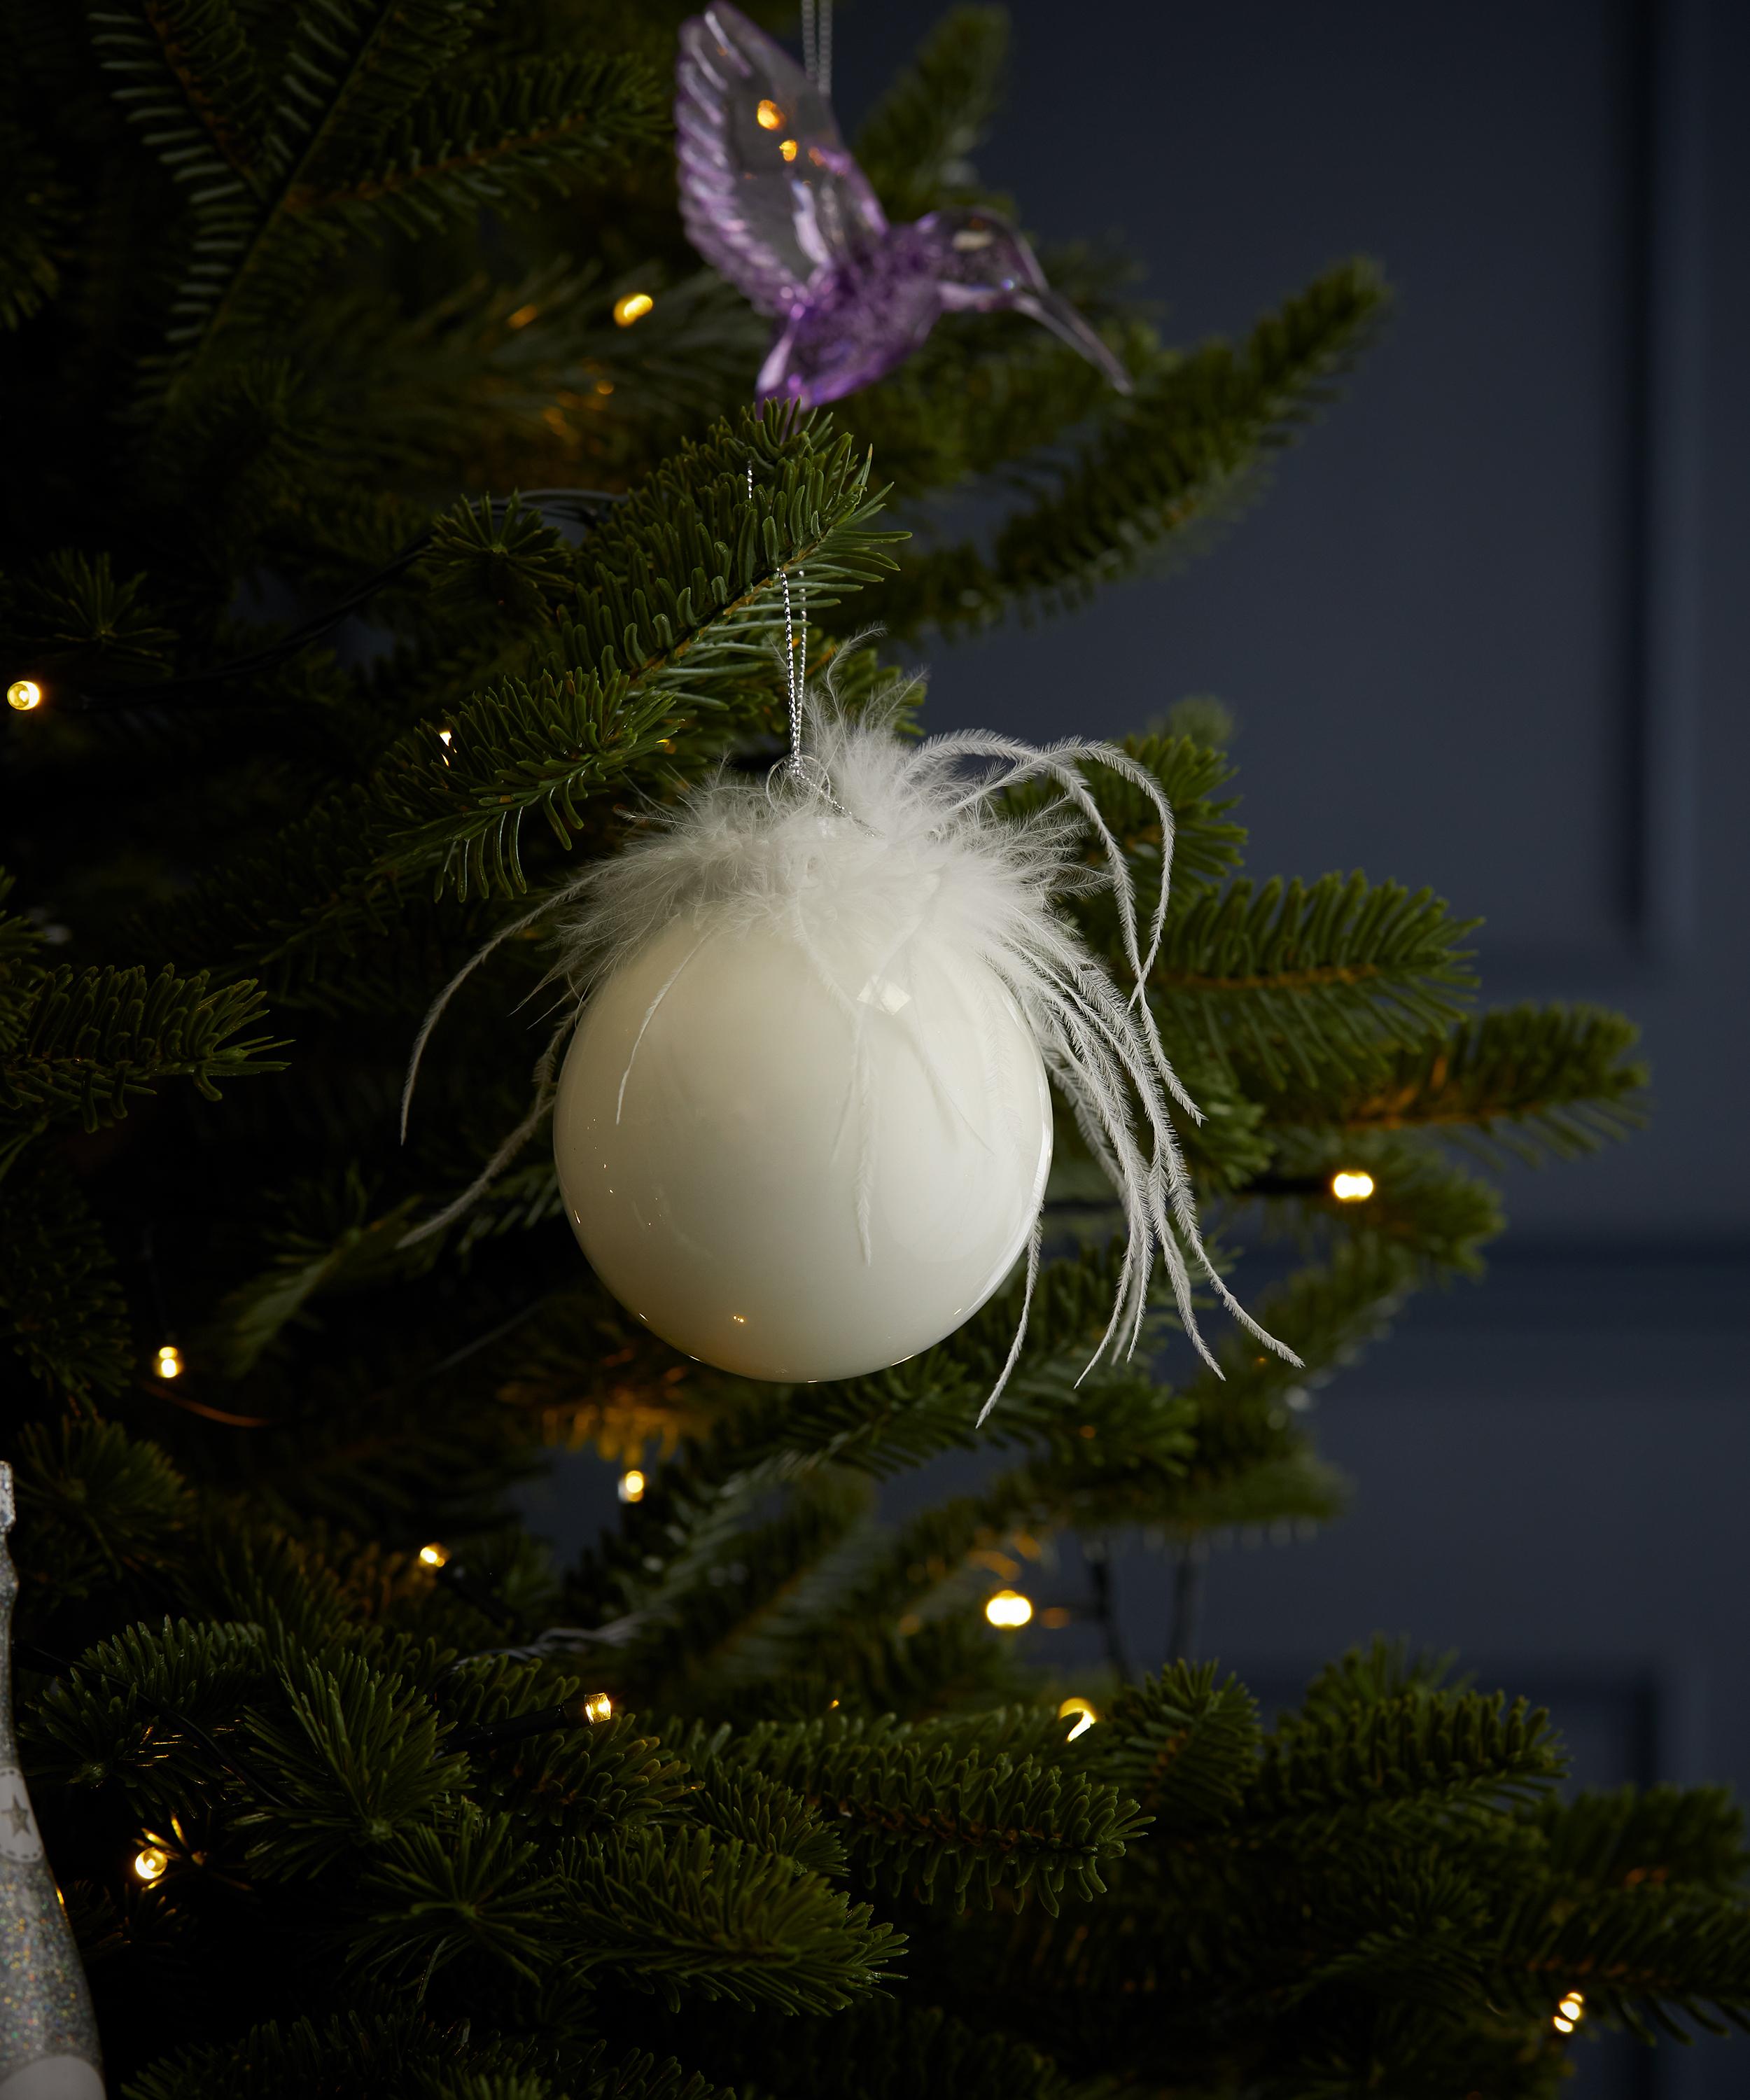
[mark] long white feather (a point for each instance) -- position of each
(878, 837)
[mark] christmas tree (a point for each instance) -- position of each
(382, 541)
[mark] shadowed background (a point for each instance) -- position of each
(1486, 631)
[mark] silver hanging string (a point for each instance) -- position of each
(796, 660)
(795, 666)
(817, 43)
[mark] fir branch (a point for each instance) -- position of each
(1207, 844)
(407, 2052)
(355, 1251)
(351, 68)
(96, 1503)
(70, 613)
(1184, 448)
(1528, 1082)
(1184, 1743)
(737, 1615)
(1641, 1956)
(892, 2048)
(522, 125)
(36, 208)
(915, 144)
(498, 557)
(682, 599)
(771, 1818)
(85, 1041)
(1664, 1835)
(1299, 979)
(137, 1711)
(687, 1910)
(60, 1307)
(193, 85)
(1423, 1202)
(1449, 1748)
(354, 1759)
(434, 1896)
(931, 1809)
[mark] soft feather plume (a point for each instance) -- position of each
(876, 837)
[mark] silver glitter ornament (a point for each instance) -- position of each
(48, 2033)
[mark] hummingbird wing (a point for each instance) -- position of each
(769, 193)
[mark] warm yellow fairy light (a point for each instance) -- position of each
(434, 1555)
(786, 149)
(633, 307)
(522, 317)
(1568, 2012)
(1008, 1607)
(1349, 1184)
(632, 1485)
(169, 1361)
(150, 1863)
(769, 116)
(1088, 1715)
(599, 1707)
(444, 736)
(23, 695)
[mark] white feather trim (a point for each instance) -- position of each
(870, 839)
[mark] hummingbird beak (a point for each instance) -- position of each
(1056, 314)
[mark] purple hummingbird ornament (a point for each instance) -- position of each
(774, 200)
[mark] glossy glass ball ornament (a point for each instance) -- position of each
(800, 1162)
(802, 1128)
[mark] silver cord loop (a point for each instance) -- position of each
(795, 658)
(817, 43)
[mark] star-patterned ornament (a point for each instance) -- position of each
(19, 1838)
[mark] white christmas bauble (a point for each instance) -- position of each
(800, 1163)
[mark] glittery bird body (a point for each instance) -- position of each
(772, 198)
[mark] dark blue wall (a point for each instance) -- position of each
(1489, 630)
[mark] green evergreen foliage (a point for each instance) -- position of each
(750, 1801)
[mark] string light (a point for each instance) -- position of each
(1349, 1184)
(632, 1485)
(434, 1555)
(168, 1363)
(786, 149)
(23, 695)
(598, 1706)
(1088, 1715)
(522, 317)
(1568, 2012)
(633, 307)
(150, 1863)
(768, 117)
(1008, 1608)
